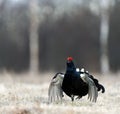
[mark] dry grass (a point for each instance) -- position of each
(27, 94)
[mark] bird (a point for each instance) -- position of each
(77, 83)
(74, 82)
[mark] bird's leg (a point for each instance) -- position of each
(72, 98)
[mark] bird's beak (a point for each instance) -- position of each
(68, 61)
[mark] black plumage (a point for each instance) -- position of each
(74, 83)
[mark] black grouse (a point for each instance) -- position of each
(74, 83)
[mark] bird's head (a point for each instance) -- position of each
(70, 64)
(69, 59)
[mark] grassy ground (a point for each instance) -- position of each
(27, 94)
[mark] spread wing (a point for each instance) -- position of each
(55, 92)
(92, 92)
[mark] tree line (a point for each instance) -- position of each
(71, 33)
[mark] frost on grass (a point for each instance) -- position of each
(26, 94)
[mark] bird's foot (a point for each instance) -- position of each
(79, 97)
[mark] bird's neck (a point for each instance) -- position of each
(70, 67)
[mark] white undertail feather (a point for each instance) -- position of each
(82, 70)
(77, 70)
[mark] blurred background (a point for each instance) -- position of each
(38, 35)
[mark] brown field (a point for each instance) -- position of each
(27, 94)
